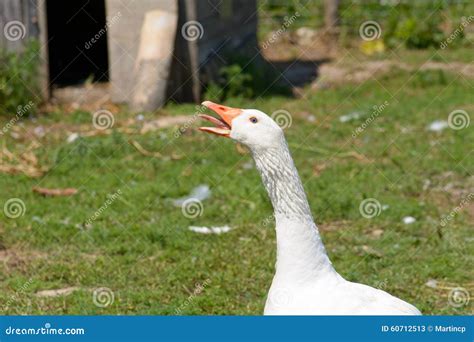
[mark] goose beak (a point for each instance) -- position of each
(223, 122)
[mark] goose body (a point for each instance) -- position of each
(305, 282)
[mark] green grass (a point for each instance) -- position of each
(140, 246)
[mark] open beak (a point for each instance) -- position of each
(223, 122)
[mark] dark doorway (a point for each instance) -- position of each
(77, 42)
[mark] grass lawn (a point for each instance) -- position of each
(140, 247)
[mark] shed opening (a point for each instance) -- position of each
(77, 36)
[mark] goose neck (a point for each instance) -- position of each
(300, 252)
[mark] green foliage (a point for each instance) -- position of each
(415, 26)
(241, 79)
(213, 91)
(233, 82)
(277, 10)
(429, 78)
(239, 82)
(19, 80)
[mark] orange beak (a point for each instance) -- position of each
(223, 122)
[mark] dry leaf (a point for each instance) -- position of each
(25, 163)
(187, 171)
(140, 149)
(58, 292)
(168, 121)
(377, 233)
(319, 168)
(176, 156)
(55, 192)
(369, 250)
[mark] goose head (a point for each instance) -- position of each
(251, 127)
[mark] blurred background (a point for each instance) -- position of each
(113, 203)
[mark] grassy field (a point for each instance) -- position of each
(140, 248)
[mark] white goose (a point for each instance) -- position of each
(305, 282)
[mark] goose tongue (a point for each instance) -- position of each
(224, 122)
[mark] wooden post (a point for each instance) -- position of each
(43, 40)
(331, 15)
(191, 15)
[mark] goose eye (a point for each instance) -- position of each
(253, 119)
